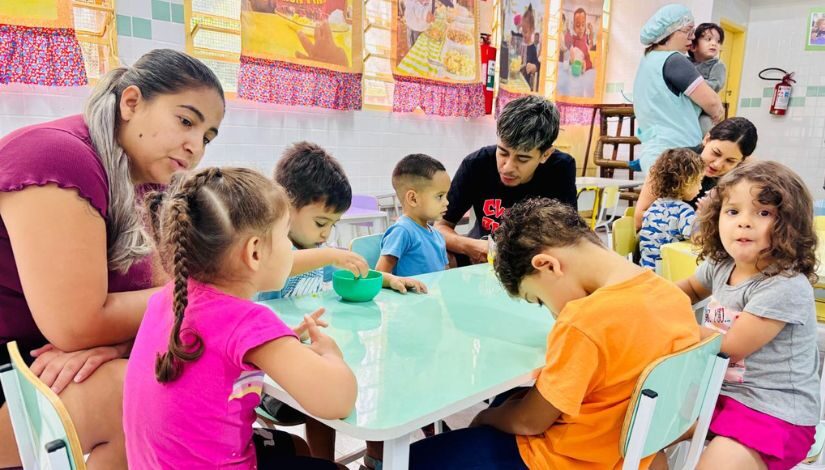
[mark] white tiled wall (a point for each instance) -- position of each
(368, 143)
(775, 38)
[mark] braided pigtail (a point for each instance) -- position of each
(204, 216)
(169, 365)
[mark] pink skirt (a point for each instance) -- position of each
(781, 445)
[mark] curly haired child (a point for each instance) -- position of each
(676, 177)
(758, 239)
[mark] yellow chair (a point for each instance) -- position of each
(623, 240)
(678, 261)
(820, 310)
(594, 212)
(819, 223)
(608, 203)
(630, 211)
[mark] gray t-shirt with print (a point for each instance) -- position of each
(779, 379)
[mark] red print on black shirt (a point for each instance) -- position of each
(492, 212)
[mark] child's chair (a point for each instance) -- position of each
(671, 395)
(364, 212)
(678, 261)
(816, 456)
(623, 240)
(46, 437)
(369, 247)
(609, 202)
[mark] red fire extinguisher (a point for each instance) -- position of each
(488, 71)
(781, 92)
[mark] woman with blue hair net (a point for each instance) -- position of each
(668, 92)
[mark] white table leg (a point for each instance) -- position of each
(397, 453)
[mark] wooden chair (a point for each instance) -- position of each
(671, 395)
(46, 437)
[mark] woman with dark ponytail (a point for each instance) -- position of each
(724, 147)
(75, 267)
(202, 350)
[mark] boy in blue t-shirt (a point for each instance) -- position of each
(412, 246)
(319, 193)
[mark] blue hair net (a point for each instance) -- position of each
(665, 22)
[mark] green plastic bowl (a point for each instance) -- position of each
(577, 68)
(361, 289)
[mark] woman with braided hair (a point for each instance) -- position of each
(202, 350)
(75, 272)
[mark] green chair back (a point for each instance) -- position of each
(671, 395)
(45, 435)
(369, 247)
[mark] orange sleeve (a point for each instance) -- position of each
(571, 369)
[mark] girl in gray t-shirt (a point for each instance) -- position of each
(758, 239)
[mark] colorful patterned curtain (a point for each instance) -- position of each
(302, 52)
(435, 57)
(38, 44)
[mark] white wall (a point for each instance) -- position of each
(737, 11)
(775, 38)
(368, 143)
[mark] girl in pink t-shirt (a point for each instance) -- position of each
(197, 366)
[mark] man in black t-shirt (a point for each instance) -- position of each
(522, 165)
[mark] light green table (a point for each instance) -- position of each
(421, 358)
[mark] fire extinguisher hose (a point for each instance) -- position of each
(786, 77)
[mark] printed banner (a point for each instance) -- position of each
(523, 38)
(315, 33)
(302, 52)
(581, 52)
(436, 40)
(436, 58)
(37, 13)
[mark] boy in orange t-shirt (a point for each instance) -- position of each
(613, 318)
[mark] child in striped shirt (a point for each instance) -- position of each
(676, 177)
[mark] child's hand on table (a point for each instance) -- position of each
(302, 330)
(403, 284)
(352, 262)
(322, 344)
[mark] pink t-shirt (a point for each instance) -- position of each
(204, 418)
